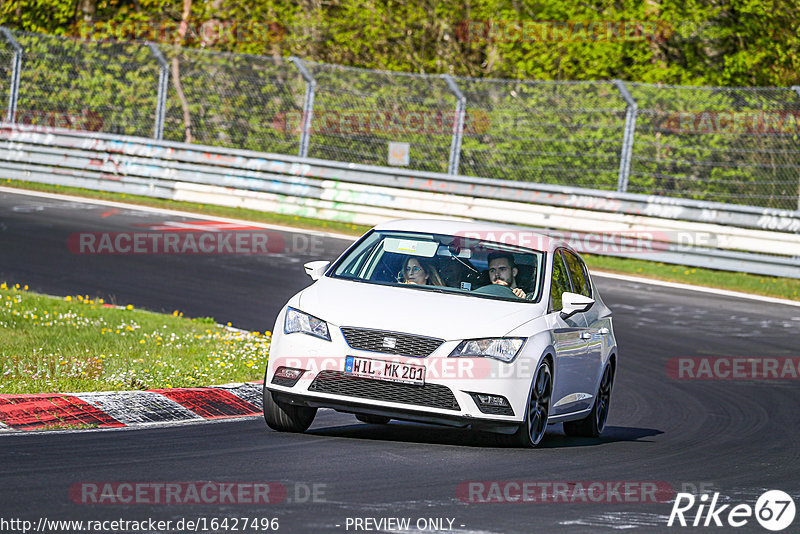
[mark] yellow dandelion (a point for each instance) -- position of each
(68, 298)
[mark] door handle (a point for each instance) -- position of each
(586, 335)
(603, 331)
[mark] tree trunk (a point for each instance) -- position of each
(176, 72)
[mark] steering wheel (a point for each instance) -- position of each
(495, 290)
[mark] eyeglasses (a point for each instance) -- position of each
(413, 269)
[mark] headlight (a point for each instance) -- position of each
(504, 349)
(297, 321)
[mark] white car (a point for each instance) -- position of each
(476, 325)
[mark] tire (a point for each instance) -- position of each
(594, 424)
(372, 419)
(286, 417)
(532, 430)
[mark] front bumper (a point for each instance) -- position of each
(448, 396)
(357, 406)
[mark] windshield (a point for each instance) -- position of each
(445, 263)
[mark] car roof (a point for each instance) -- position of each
(504, 233)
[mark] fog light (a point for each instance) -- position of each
(492, 400)
(287, 376)
(492, 404)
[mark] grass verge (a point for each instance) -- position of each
(787, 288)
(76, 344)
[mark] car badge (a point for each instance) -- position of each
(389, 342)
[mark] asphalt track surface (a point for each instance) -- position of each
(735, 437)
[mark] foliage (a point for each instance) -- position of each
(540, 124)
(741, 42)
(82, 344)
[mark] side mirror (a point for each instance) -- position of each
(572, 303)
(315, 269)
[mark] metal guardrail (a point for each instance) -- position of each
(676, 231)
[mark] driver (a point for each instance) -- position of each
(503, 271)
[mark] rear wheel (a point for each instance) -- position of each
(285, 417)
(532, 430)
(594, 424)
(372, 419)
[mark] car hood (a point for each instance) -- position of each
(405, 309)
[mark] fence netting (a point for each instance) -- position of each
(358, 112)
(232, 100)
(94, 86)
(731, 145)
(566, 133)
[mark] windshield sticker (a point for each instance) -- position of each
(425, 249)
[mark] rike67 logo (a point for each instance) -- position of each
(774, 510)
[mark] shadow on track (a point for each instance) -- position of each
(401, 431)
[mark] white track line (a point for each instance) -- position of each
(174, 213)
(188, 214)
(699, 289)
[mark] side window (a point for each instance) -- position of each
(577, 272)
(560, 282)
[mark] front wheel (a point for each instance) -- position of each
(285, 417)
(532, 430)
(594, 424)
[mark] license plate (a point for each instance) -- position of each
(382, 370)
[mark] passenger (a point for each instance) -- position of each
(420, 271)
(458, 273)
(503, 271)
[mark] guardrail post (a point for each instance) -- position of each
(308, 105)
(16, 68)
(163, 87)
(627, 137)
(458, 125)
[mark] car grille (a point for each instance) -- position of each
(496, 410)
(339, 383)
(405, 344)
(280, 381)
